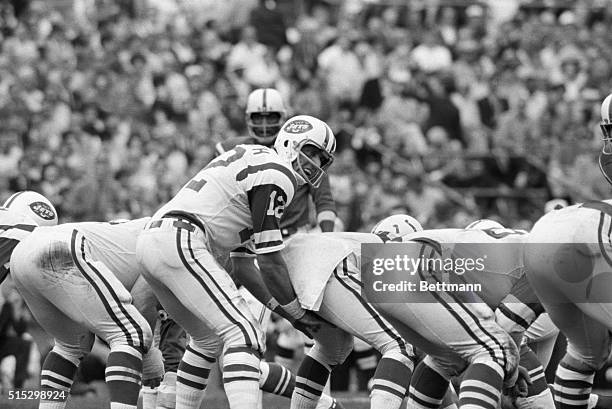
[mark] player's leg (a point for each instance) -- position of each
(343, 306)
(61, 363)
(196, 283)
(85, 291)
(457, 337)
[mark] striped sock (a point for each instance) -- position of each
(241, 377)
(390, 383)
(276, 379)
(191, 377)
(123, 376)
(530, 361)
(427, 388)
(572, 387)
(309, 383)
(481, 386)
(56, 379)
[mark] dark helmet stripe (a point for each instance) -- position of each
(265, 101)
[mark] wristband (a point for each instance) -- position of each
(294, 309)
(272, 304)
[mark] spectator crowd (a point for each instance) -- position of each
(448, 110)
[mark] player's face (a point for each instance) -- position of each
(313, 153)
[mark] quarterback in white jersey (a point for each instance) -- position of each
(235, 201)
(76, 279)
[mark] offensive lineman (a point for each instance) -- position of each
(76, 279)
(235, 201)
(19, 216)
(569, 265)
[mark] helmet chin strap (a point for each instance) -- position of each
(605, 165)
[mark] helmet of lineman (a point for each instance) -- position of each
(393, 228)
(484, 224)
(265, 113)
(605, 156)
(34, 205)
(308, 144)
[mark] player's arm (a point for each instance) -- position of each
(246, 272)
(517, 311)
(325, 205)
(270, 190)
(145, 301)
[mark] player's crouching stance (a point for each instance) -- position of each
(76, 278)
(235, 201)
(324, 272)
(568, 264)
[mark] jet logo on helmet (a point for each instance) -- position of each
(43, 210)
(298, 126)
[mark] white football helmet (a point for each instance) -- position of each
(393, 228)
(484, 224)
(34, 205)
(299, 135)
(265, 113)
(605, 156)
(555, 204)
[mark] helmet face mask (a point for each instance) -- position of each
(311, 172)
(264, 126)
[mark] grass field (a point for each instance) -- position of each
(216, 400)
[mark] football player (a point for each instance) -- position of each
(568, 264)
(323, 269)
(19, 216)
(264, 115)
(236, 201)
(494, 319)
(76, 279)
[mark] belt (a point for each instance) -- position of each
(182, 220)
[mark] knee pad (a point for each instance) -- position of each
(332, 355)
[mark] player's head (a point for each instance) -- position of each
(484, 224)
(393, 228)
(605, 157)
(34, 205)
(308, 144)
(265, 113)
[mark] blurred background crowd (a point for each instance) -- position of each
(448, 109)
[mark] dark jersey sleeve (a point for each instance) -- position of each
(322, 196)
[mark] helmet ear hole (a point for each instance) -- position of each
(286, 143)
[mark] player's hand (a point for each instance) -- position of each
(519, 390)
(309, 323)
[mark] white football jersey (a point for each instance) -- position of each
(13, 228)
(113, 244)
(500, 251)
(312, 258)
(239, 198)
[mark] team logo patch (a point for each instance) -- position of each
(43, 210)
(298, 126)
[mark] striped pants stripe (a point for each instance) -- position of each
(195, 290)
